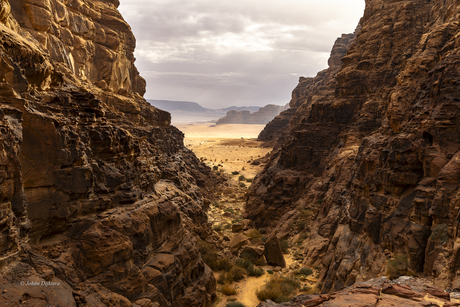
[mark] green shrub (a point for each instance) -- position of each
(235, 304)
(253, 271)
(241, 178)
(278, 289)
(228, 226)
(264, 238)
(242, 185)
(228, 290)
(439, 233)
(249, 179)
(215, 167)
(306, 271)
(235, 173)
(270, 272)
(284, 246)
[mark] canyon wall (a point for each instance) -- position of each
(99, 197)
(372, 154)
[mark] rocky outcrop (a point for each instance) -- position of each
(372, 154)
(379, 292)
(260, 117)
(99, 195)
(306, 91)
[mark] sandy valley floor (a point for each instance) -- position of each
(230, 147)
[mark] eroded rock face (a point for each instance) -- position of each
(373, 153)
(98, 192)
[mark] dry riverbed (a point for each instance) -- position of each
(230, 149)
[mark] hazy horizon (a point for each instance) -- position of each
(238, 53)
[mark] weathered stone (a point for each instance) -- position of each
(372, 150)
(237, 242)
(273, 253)
(91, 175)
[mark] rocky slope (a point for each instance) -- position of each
(260, 117)
(99, 197)
(373, 154)
(379, 292)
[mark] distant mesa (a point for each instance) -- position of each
(261, 117)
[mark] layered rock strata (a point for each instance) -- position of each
(373, 154)
(99, 197)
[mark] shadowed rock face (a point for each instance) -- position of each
(98, 193)
(373, 153)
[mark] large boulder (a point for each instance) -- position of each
(273, 253)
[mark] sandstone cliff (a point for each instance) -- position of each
(372, 154)
(99, 197)
(260, 117)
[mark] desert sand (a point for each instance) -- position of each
(229, 147)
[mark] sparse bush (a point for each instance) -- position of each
(253, 271)
(248, 265)
(215, 168)
(235, 274)
(249, 179)
(306, 271)
(217, 227)
(253, 233)
(241, 178)
(242, 185)
(235, 304)
(319, 201)
(228, 226)
(284, 246)
(278, 289)
(300, 224)
(439, 233)
(305, 213)
(235, 173)
(398, 266)
(264, 238)
(228, 290)
(270, 272)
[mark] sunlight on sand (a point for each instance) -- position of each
(228, 147)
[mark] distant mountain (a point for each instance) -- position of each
(168, 105)
(187, 111)
(250, 109)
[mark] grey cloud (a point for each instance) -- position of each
(234, 52)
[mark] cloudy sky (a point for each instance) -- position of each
(238, 52)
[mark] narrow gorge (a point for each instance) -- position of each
(102, 204)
